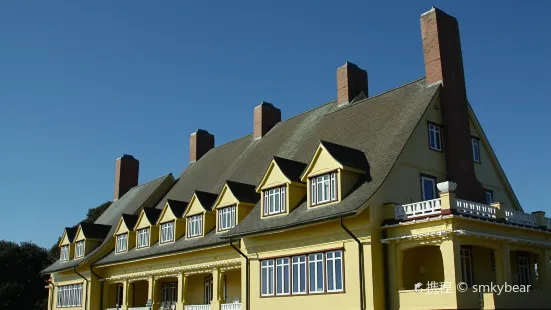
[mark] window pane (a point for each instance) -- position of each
(330, 276)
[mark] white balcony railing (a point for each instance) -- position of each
(521, 218)
(138, 308)
(197, 307)
(475, 208)
(418, 209)
(232, 306)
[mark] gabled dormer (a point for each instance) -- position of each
(147, 231)
(66, 245)
(199, 215)
(281, 187)
(333, 172)
(88, 237)
(171, 224)
(235, 201)
(125, 236)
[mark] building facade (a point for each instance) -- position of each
(390, 201)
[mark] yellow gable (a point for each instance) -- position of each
(166, 214)
(273, 177)
(226, 198)
(121, 229)
(321, 163)
(64, 239)
(80, 235)
(142, 221)
(194, 207)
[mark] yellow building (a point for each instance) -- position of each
(388, 201)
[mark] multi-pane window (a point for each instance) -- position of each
(467, 266)
(169, 293)
(428, 188)
(143, 237)
(167, 232)
(303, 274)
(226, 218)
(195, 225)
(323, 188)
(523, 270)
(333, 264)
(122, 242)
(435, 137)
(274, 200)
(476, 149)
(79, 249)
(69, 295)
(64, 253)
(489, 197)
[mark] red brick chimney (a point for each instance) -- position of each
(126, 174)
(444, 64)
(266, 116)
(200, 142)
(351, 81)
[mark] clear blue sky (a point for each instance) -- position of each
(82, 82)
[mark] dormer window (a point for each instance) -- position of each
(195, 225)
(122, 242)
(323, 188)
(167, 232)
(274, 201)
(226, 218)
(143, 237)
(79, 249)
(64, 253)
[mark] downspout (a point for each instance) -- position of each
(385, 262)
(101, 288)
(360, 263)
(247, 289)
(87, 283)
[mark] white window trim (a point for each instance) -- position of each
(316, 261)
(433, 180)
(69, 296)
(167, 232)
(268, 267)
(121, 240)
(64, 251)
(227, 217)
(437, 130)
(282, 265)
(332, 185)
(475, 144)
(145, 232)
(194, 225)
(169, 292)
(279, 193)
(300, 265)
(81, 253)
(333, 261)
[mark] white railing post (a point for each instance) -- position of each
(418, 209)
(475, 208)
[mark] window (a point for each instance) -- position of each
(69, 295)
(80, 249)
(299, 275)
(467, 266)
(169, 293)
(428, 187)
(209, 282)
(267, 277)
(303, 274)
(334, 271)
(283, 276)
(226, 218)
(523, 270)
(323, 188)
(64, 253)
(122, 242)
(274, 200)
(489, 197)
(435, 137)
(143, 237)
(167, 232)
(195, 225)
(476, 149)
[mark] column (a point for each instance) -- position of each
(503, 265)
(395, 275)
(151, 293)
(215, 304)
(182, 286)
(546, 269)
(451, 259)
(221, 297)
(124, 305)
(128, 288)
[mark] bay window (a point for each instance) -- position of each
(274, 201)
(167, 232)
(65, 253)
(226, 218)
(122, 242)
(195, 225)
(143, 237)
(323, 188)
(79, 249)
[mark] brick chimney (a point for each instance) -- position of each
(126, 174)
(351, 81)
(444, 64)
(200, 142)
(266, 116)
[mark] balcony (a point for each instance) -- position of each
(197, 307)
(232, 306)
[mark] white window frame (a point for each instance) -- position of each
(122, 243)
(314, 261)
(142, 236)
(334, 259)
(194, 225)
(433, 181)
(435, 137)
(64, 252)
(475, 143)
(327, 183)
(273, 195)
(79, 249)
(69, 295)
(299, 264)
(169, 293)
(267, 275)
(167, 232)
(467, 271)
(283, 267)
(227, 217)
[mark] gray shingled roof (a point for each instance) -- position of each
(130, 203)
(94, 231)
(378, 126)
(244, 192)
(206, 199)
(71, 233)
(292, 169)
(177, 207)
(347, 156)
(130, 220)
